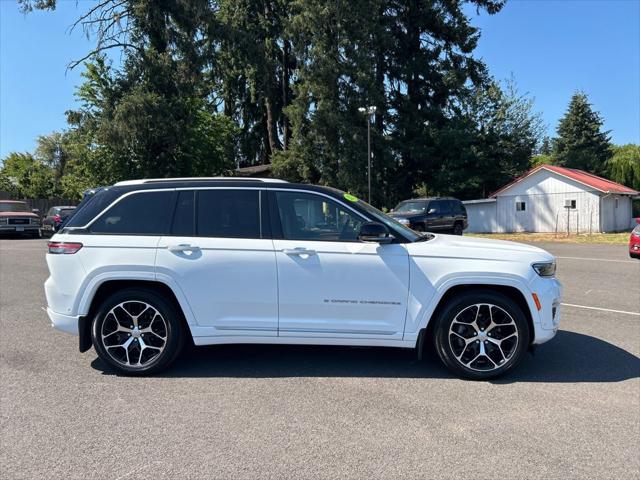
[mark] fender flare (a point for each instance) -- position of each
(94, 283)
(442, 287)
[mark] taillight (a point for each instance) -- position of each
(64, 248)
(56, 218)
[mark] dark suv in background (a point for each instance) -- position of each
(432, 215)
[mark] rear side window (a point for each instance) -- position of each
(142, 213)
(228, 213)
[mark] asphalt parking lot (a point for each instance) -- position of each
(570, 411)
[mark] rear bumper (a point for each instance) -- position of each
(64, 323)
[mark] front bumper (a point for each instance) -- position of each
(19, 228)
(549, 292)
(64, 323)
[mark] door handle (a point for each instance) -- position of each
(298, 251)
(183, 247)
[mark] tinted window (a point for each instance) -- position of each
(92, 204)
(446, 207)
(228, 213)
(306, 216)
(144, 213)
(184, 215)
(435, 207)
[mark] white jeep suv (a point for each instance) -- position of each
(143, 265)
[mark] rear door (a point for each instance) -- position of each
(221, 257)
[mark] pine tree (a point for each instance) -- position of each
(581, 143)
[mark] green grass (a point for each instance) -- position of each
(609, 238)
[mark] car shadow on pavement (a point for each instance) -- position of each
(570, 357)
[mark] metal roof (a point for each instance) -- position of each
(597, 183)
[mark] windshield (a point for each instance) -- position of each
(410, 207)
(13, 207)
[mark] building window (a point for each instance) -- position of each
(571, 204)
(616, 203)
(520, 206)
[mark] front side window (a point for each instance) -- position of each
(141, 213)
(228, 213)
(305, 216)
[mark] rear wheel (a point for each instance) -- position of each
(137, 332)
(457, 228)
(481, 335)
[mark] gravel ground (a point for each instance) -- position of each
(570, 411)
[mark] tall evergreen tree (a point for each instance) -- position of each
(581, 143)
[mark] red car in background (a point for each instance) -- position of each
(634, 242)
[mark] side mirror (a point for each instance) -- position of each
(374, 232)
(431, 211)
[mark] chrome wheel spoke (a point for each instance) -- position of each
(494, 341)
(130, 345)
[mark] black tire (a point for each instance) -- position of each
(458, 228)
(457, 344)
(418, 228)
(167, 325)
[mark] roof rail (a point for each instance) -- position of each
(197, 179)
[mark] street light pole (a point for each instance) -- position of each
(368, 111)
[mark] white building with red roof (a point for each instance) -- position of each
(549, 199)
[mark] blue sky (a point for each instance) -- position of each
(552, 47)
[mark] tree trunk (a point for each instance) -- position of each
(286, 74)
(272, 133)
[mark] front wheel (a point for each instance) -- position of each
(137, 332)
(481, 335)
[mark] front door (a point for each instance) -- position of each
(223, 261)
(329, 283)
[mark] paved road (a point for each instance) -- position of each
(572, 411)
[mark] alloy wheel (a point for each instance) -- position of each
(483, 337)
(134, 333)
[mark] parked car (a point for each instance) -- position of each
(55, 218)
(432, 215)
(634, 242)
(17, 217)
(145, 264)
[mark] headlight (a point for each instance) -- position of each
(547, 269)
